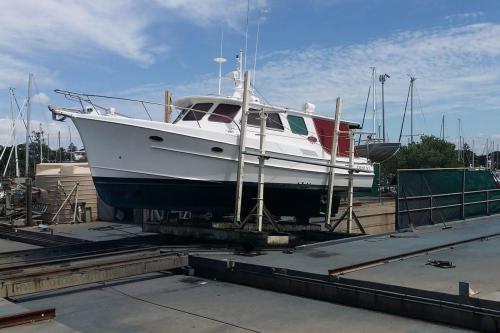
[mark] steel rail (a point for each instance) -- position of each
(82, 272)
(27, 317)
(90, 262)
(449, 206)
(8, 270)
(267, 156)
(449, 194)
(380, 261)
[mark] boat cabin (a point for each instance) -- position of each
(217, 113)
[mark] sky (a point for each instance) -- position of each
(308, 51)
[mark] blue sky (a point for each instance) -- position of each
(309, 51)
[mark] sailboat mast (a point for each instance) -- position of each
(473, 157)
(29, 217)
(412, 80)
(14, 146)
(373, 99)
(41, 144)
(59, 146)
(442, 135)
(28, 129)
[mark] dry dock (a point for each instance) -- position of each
(243, 298)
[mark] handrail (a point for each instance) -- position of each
(72, 93)
(78, 96)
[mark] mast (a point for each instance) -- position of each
(373, 100)
(16, 158)
(29, 216)
(41, 143)
(473, 157)
(70, 145)
(255, 55)
(59, 144)
(48, 146)
(240, 66)
(442, 128)
(382, 78)
(220, 60)
(28, 129)
(412, 82)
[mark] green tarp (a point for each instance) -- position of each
(444, 190)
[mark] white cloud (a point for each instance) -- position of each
(41, 98)
(31, 29)
(457, 63)
(220, 12)
(15, 71)
(464, 16)
(457, 69)
(75, 27)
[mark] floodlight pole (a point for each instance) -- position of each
(382, 78)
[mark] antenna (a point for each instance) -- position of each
(220, 60)
(255, 55)
(246, 40)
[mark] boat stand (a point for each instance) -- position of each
(266, 212)
(349, 213)
(353, 217)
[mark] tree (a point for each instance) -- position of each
(430, 152)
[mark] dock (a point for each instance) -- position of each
(406, 277)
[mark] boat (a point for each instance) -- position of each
(191, 164)
(377, 152)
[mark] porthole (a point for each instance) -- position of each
(155, 138)
(217, 149)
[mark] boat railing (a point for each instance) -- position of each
(89, 99)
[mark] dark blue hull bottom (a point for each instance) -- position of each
(298, 200)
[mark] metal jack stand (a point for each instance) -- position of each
(349, 213)
(266, 212)
(260, 209)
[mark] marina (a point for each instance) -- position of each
(148, 186)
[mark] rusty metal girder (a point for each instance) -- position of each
(47, 278)
(27, 317)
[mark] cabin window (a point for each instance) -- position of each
(224, 113)
(182, 112)
(273, 119)
(297, 125)
(197, 115)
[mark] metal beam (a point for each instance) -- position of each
(475, 314)
(27, 317)
(83, 272)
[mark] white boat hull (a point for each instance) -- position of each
(188, 168)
